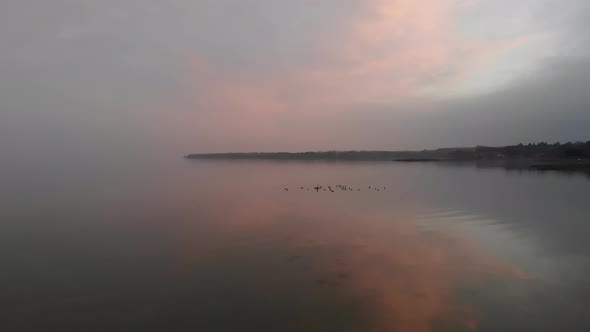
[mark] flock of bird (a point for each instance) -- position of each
(340, 187)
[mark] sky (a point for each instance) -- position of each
(183, 76)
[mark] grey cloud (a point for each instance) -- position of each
(80, 75)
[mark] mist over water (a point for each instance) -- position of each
(105, 227)
(189, 245)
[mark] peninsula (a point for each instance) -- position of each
(570, 156)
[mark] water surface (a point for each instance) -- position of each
(188, 245)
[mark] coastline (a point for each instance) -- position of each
(567, 157)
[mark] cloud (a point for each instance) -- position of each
(266, 75)
(387, 52)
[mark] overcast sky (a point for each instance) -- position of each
(262, 75)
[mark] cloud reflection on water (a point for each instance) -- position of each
(406, 278)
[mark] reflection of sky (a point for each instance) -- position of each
(361, 243)
(221, 245)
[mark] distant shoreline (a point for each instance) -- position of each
(537, 156)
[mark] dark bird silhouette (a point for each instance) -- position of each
(286, 189)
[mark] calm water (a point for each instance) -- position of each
(222, 246)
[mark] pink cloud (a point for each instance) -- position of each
(468, 3)
(226, 91)
(389, 51)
